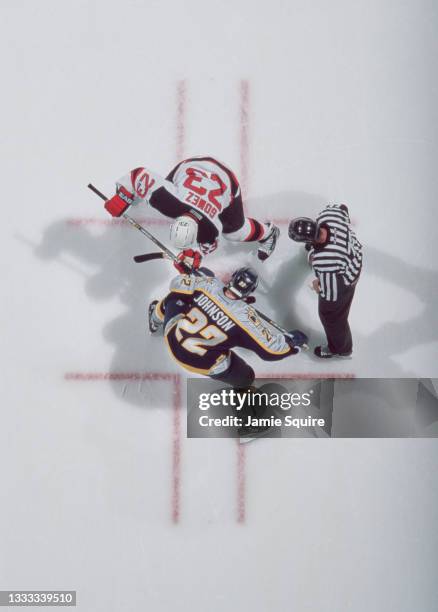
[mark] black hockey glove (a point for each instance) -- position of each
(296, 338)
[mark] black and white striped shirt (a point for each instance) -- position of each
(340, 257)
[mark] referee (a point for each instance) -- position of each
(335, 255)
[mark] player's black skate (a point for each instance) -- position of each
(267, 245)
(154, 323)
(323, 352)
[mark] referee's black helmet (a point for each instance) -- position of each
(303, 229)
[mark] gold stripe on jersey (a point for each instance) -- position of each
(182, 291)
(159, 311)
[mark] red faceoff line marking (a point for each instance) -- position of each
(112, 223)
(241, 482)
(244, 136)
(241, 448)
(176, 443)
(244, 177)
(181, 107)
(175, 380)
(76, 222)
(176, 449)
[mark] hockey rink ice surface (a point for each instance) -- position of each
(309, 103)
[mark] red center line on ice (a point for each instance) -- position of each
(244, 136)
(122, 376)
(241, 449)
(241, 482)
(151, 376)
(243, 179)
(181, 108)
(176, 449)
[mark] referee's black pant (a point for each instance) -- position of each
(334, 319)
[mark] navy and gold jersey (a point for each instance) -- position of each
(207, 325)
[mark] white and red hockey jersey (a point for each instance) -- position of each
(201, 186)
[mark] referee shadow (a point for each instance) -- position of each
(394, 338)
(290, 277)
(377, 352)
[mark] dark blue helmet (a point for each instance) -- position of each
(303, 229)
(243, 282)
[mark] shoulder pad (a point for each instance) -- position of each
(184, 283)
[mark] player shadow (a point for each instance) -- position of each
(103, 256)
(286, 276)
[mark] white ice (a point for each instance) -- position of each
(342, 108)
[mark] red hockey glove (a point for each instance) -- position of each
(188, 260)
(117, 205)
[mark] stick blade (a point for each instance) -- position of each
(148, 257)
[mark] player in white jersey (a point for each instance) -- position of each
(203, 320)
(203, 197)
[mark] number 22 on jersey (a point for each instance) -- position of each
(203, 335)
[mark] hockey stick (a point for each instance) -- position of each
(140, 228)
(174, 258)
(148, 257)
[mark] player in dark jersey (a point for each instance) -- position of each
(203, 320)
